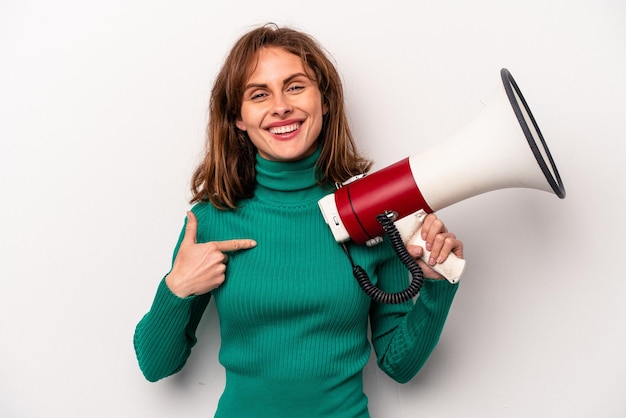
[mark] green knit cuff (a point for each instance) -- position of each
(432, 304)
(440, 289)
(167, 302)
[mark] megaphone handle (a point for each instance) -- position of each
(451, 269)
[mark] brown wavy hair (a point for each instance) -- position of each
(227, 173)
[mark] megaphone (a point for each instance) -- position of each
(502, 148)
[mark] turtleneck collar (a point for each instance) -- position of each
(288, 182)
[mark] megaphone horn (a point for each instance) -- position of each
(502, 148)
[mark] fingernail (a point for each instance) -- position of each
(431, 261)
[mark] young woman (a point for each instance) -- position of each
(293, 320)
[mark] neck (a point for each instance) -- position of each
(288, 181)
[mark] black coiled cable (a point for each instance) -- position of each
(417, 276)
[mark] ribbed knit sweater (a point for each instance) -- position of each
(293, 320)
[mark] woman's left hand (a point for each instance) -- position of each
(439, 241)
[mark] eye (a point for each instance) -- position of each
(257, 95)
(295, 87)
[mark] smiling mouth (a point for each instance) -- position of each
(282, 130)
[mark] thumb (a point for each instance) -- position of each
(415, 250)
(191, 228)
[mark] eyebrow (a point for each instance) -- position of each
(285, 81)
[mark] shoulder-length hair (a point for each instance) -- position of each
(227, 173)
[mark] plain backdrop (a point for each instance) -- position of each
(102, 118)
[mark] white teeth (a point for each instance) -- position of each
(284, 129)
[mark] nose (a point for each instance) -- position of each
(281, 105)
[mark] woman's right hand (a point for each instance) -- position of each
(200, 268)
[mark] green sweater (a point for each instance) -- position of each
(293, 320)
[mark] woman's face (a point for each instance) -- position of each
(282, 107)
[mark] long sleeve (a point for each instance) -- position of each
(405, 335)
(165, 335)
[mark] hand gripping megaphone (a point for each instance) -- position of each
(502, 148)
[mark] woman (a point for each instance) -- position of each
(293, 321)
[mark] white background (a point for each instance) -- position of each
(102, 116)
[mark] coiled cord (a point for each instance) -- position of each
(417, 276)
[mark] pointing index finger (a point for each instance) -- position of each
(235, 245)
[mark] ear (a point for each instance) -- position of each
(324, 107)
(240, 125)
